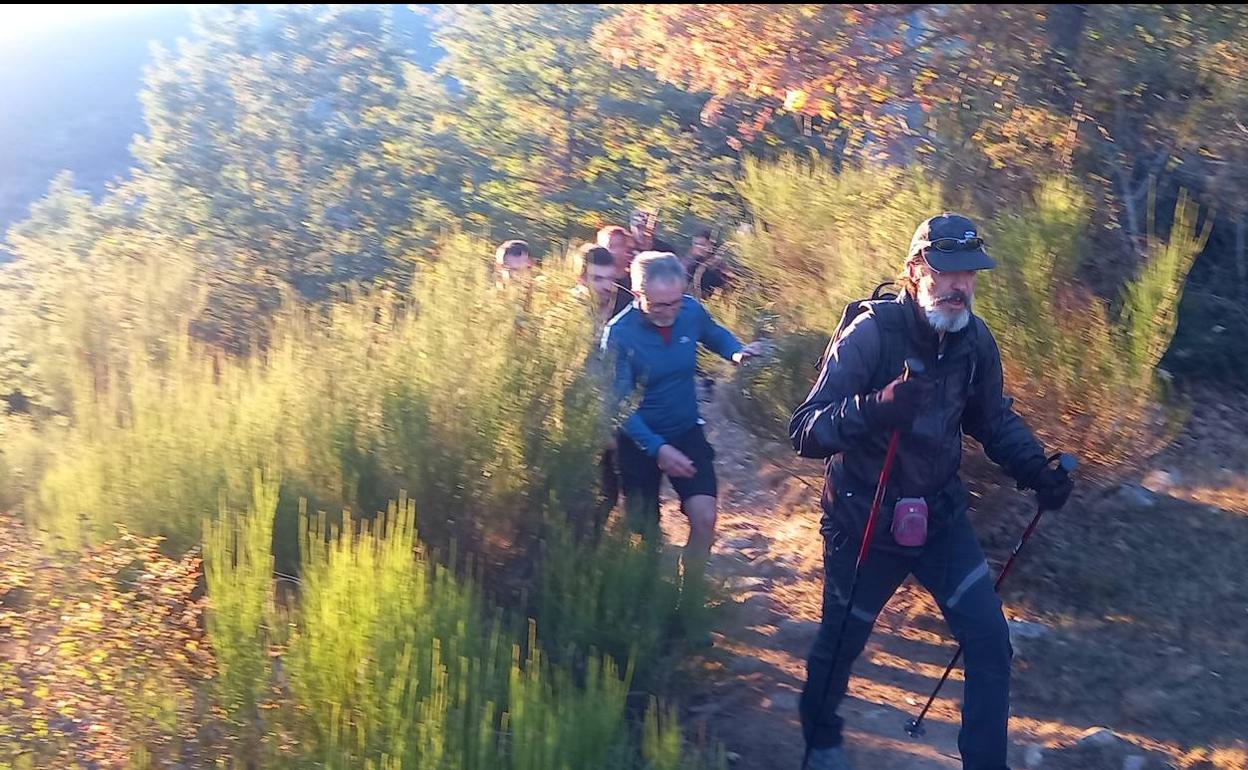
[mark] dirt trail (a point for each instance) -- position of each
(745, 690)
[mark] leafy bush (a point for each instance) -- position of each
(1086, 380)
(238, 573)
(103, 655)
(768, 391)
(1084, 375)
(617, 596)
(821, 238)
(473, 398)
(477, 399)
(394, 662)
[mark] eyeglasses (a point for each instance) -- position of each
(951, 245)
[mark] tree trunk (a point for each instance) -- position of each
(1065, 27)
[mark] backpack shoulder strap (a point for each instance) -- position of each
(888, 315)
(851, 311)
(975, 341)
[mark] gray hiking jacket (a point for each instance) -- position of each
(868, 355)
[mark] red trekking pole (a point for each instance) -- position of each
(1067, 464)
(913, 366)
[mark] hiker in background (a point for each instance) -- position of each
(513, 264)
(643, 224)
(652, 347)
(596, 274)
(704, 266)
(617, 240)
(860, 398)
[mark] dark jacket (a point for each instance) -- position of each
(658, 244)
(623, 298)
(709, 277)
(870, 353)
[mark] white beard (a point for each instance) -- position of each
(946, 321)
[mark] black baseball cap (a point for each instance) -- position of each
(951, 243)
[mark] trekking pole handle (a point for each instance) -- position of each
(913, 367)
(1066, 463)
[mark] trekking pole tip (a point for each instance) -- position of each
(915, 729)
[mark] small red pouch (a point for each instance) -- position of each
(910, 522)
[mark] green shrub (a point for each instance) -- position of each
(1085, 376)
(476, 400)
(769, 390)
(391, 658)
(821, 238)
(663, 744)
(1086, 380)
(396, 663)
(617, 596)
(238, 574)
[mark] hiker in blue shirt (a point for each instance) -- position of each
(652, 347)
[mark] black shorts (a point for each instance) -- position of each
(640, 475)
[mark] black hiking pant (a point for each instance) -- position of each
(952, 567)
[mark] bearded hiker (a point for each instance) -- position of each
(861, 397)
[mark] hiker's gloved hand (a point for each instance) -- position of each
(899, 402)
(1053, 488)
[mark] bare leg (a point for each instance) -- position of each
(701, 512)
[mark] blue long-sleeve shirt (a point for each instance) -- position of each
(664, 370)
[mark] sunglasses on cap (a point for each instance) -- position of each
(951, 245)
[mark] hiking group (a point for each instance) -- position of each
(903, 378)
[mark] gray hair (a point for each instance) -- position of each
(651, 266)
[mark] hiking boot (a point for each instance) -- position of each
(829, 759)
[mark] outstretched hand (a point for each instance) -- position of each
(755, 348)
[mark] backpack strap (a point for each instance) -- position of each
(879, 291)
(889, 316)
(851, 311)
(973, 340)
(879, 295)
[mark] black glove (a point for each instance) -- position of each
(1053, 487)
(899, 402)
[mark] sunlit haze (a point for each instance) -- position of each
(23, 20)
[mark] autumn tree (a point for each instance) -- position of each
(993, 95)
